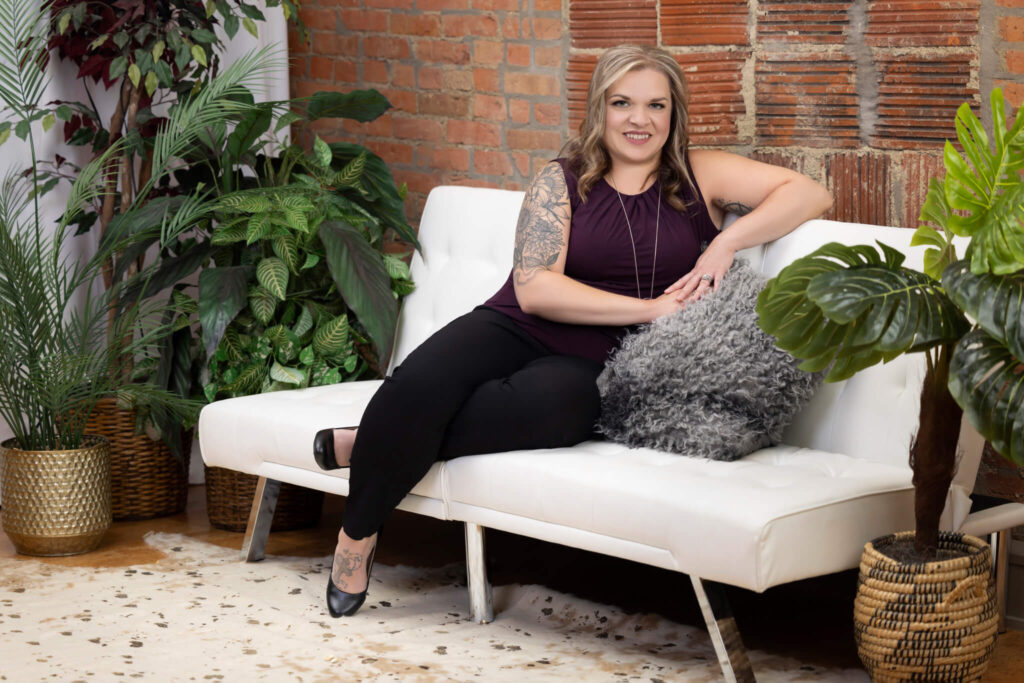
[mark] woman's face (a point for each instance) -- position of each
(638, 114)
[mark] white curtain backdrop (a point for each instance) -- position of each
(64, 85)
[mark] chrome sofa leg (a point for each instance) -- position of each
(260, 517)
(732, 656)
(999, 541)
(481, 604)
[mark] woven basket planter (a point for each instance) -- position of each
(146, 480)
(933, 621)
(56, 502)
(229, 497)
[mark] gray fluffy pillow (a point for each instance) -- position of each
(706, 381)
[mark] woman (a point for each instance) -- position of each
(622, 230)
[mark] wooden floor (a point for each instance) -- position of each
(810, 620)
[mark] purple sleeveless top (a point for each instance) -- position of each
(600, 255)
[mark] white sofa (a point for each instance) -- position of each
(801, 509)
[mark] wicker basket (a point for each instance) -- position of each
(146, 480)
(56, 502)
(229, 497)
(933, 621)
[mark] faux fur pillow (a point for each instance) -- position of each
(705, 382)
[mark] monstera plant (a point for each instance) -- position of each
(844, 308)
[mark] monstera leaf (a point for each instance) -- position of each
(981, 196)
(853, 307)
(987, 369)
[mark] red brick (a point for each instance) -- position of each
(402, 100)
(485, 80)
(340, 3)
(319, 19)
(474, 182)
(519, 110)
(507, 5)
(418, 129)
(296, 43)
(720, 22)
(375, 72)
(469, 25)
(436, 5)
(474, 133)
(329, 43)
(861, 187)
(912, 23)
(488, 52)
(346, 71)
(604, 23)
(491, 163)
(429, 78)
(547, 29)
(522, 162)
(321, 68)
(489, 107)
(443, 158)
(442, 51)
(404, 75)
(417, 181)
(716, 95)
(461, 79)
(389, 4)
(443, 104)
(382, 126)
(918, 168)
(820, 23)
(414, 24)
(365, 20)
(1012, 29)
(297, 68)
(532, 84)
(547, 114)
(510, 27)
(386, 48)
(1014, 61)
(518, 54)
(548, 56)
(533, 140)
(1013, 92)
(577, 80)
(547, 5)
(1010, 3)
(391, 152)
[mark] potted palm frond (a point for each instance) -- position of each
(846, 308)
(58, 356)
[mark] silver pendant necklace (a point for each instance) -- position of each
(632, 242)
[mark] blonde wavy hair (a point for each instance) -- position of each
(586, 150)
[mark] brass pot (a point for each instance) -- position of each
(56, 502)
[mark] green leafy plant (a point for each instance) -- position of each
(56, 359)
(846, 308)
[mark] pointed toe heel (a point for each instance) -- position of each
(342, 604)
(323, 449)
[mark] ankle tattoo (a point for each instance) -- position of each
(346, 563)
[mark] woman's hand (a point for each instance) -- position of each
(665, 304)
(708, 272)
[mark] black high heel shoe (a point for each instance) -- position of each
(342, 604)
(323, 449)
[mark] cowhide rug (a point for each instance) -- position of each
(201, 614)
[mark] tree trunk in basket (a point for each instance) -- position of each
(933, 454)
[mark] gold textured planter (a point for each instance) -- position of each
(56, 502)
(929, 621)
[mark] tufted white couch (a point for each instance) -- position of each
(801, 509)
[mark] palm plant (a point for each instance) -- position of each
(846, 308)
(56, 359)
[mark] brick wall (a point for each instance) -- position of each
(859, 94)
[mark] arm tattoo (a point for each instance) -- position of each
(738, 208)
(539, 234)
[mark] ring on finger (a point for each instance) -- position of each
(707, 277)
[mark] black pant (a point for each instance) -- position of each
(478, 385)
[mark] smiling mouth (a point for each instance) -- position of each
(637, 137)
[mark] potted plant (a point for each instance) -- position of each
(153, 54)
(56, 360)
(846, 308)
